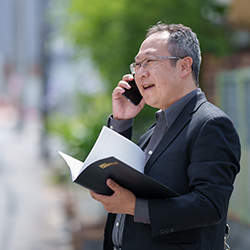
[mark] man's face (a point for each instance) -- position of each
(159, 86)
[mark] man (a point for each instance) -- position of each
(195, 152)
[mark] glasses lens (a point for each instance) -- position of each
(150, 63)
(132, 68)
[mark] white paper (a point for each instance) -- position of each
(74, 165)
(109, 144)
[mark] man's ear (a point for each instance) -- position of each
(186, 66)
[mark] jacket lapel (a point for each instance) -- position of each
(181, 121)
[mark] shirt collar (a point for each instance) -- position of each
(175, 109)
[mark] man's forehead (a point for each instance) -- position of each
(152, 44)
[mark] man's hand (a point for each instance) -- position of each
(122, 201)
(122, 108)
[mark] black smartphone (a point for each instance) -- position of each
(133, 94)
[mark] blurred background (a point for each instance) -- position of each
(59, 62)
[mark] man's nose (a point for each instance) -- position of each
(142, 72)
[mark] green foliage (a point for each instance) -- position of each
(80, 130)
(113, 30)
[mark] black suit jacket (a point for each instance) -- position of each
(198, 157)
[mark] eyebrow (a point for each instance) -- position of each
(146, 54)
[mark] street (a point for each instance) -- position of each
(31, 214)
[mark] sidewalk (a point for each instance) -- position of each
(31, 213)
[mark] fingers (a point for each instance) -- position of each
(122, 85)
(122, 108)
(124, 82)
(122, 200)
(127, 78)
(102, 198)
(106, 201)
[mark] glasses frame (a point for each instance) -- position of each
(142, 63)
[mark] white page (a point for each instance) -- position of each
(108, 144)
(74, 165)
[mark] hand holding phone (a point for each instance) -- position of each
(133, 94)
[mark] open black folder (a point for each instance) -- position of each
(114, 156)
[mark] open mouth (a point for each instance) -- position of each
(147, 86)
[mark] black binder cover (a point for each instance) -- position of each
(94, 177)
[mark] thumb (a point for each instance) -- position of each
(111, 184)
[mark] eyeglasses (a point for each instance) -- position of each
(150, 63)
